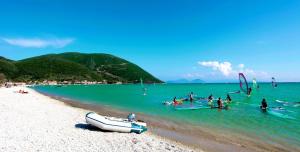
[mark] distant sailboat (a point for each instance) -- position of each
(143, 87)
(274, 83)
(244, 87)
(254, 84)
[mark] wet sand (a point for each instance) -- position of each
(189, 134)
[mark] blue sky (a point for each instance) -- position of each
(211, 40)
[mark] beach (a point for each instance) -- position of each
(243, 127)
(42, 122)
(34, 122)
(143, 76)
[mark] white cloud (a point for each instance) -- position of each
(227, 70)
(224, 67)
(38, 43)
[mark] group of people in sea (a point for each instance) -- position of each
(210, 100)
(190, 98)
(220, 103)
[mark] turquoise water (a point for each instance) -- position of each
(243, 115)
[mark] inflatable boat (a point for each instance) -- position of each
(115, 124)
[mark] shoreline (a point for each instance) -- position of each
(35, 122)
(194, 136)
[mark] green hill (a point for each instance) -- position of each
(7, 68)
(74, 67)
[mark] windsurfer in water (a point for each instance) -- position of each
(145, 91)
(264, 105)
(249, 91)
(274, 84)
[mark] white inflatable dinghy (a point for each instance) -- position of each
(115, 124)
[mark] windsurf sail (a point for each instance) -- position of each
(143, 87)
(243, 83)
(274, 84)
(254, 83)
(142, 84)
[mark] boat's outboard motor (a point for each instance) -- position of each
(131, 117)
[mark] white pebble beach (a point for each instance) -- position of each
(35, 122)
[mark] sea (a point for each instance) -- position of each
(280, 124)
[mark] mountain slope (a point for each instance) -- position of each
(73, 67)
(110, 66)
(51, 67)
(7, 67)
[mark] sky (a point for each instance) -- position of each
(211, 40)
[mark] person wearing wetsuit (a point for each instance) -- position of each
(220, 104)
(264, 105)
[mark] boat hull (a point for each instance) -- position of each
(115, 124)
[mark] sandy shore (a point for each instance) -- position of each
(207, 139)
(34, 122)
(38, 122)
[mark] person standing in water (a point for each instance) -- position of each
(220, 103)
(210, 100)
(191, 96)
(228, 98)
(264, 105)
(249, 91)
(228, 101)
(210, 97)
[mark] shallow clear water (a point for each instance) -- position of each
(243, 115)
